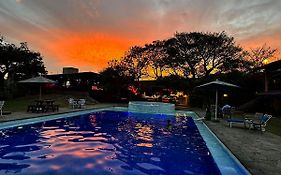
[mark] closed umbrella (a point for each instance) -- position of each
(217, 86)
(38, 80)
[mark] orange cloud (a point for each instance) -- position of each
(87, 51)
(84, 50)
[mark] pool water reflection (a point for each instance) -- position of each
(107, 143)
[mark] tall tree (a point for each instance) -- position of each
(260, 56)
(18, 62)
(157, 56)
(200, 54)
(116, 79)
(136, 61)
(182, 50)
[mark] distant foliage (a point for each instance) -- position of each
(260, 56)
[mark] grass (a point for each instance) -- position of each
(274, 126)
(20, 104)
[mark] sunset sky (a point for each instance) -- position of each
(88, 33)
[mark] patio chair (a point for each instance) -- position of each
(73, 103)
(260, 123)
(245, 121)
(1, 107)
(82, 103)
(227, 111)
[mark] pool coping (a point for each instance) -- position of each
(212, 143)
(215, 151)
(48, 117)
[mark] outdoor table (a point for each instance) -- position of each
(49, 105)
(37, 107)
(43, 106)
(77, 102)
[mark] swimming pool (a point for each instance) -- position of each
(107, 142)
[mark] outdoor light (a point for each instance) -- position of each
(225, 95)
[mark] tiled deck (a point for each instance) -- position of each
(259, 152)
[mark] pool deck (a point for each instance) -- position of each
(259, 153)
(25, 115)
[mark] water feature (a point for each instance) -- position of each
(151, 107)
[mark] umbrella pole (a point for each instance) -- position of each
(216, 107)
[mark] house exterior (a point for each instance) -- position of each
(82, 81)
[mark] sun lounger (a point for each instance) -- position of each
(73, 103)
(81, 103)
(231, 121)
(260, 123)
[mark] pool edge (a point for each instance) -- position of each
(213, 150)
(49, 117)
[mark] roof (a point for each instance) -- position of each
(274, 66)
(87, 75)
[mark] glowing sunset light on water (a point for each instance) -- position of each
(87, 34)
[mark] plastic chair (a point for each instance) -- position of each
(72, 103)
(82, 103)
(260, 123)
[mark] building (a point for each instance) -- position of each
(76, 81)
(268, 101)
(70, 70)
(272, 76)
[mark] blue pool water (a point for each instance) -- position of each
(107, 143)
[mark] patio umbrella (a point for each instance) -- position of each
(217, 86)
(38, 80)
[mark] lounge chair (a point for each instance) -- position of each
(1, 107)
(73, 103)
(236, 120)
(260, 123)
(81, 103)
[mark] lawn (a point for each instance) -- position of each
(274, 126)
(20, 104)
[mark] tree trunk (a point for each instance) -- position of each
(2, 80)
(2, 83)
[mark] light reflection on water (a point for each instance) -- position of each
(106, 143)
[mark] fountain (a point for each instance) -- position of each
(151, 107)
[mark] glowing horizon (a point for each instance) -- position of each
(88, 34)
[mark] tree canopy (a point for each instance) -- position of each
(200, 54)
(18, 62)
(191, 55)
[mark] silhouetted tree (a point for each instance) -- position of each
(116, 79)
(17, 63)
(260, 56)
(199, 54)
(136, 61)
(157, 58)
